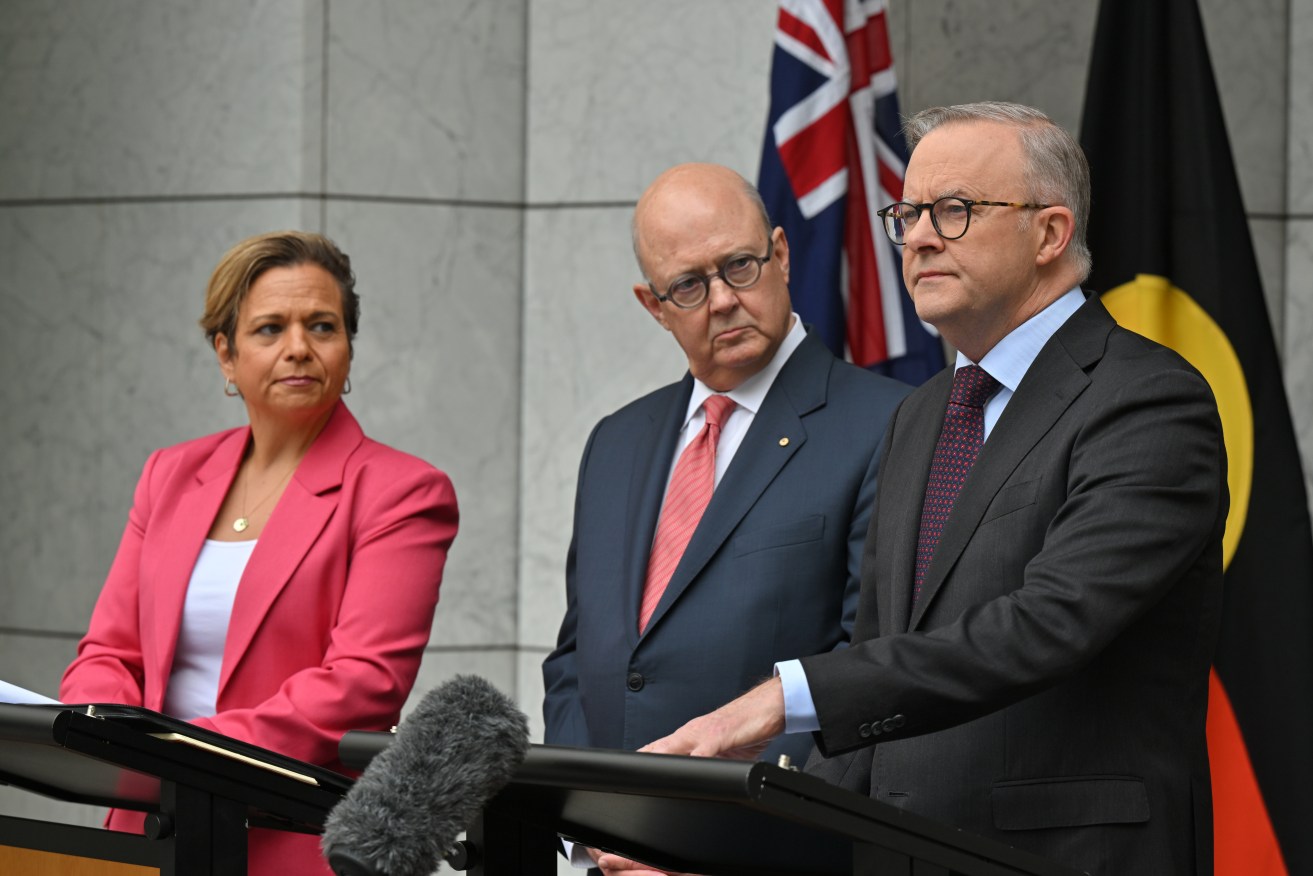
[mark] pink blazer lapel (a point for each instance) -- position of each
(294, 527)
(193, 515)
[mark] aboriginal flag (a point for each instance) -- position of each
(1174, 261)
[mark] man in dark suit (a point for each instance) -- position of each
(653, 636)
(1032, 647)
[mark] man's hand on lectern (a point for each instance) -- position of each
(740, 729)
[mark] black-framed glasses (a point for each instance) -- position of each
(739, 271)
(951, 216)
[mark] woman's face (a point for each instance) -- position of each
(289, 355)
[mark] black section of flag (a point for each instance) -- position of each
(1166, 201)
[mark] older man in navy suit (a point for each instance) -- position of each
(719, 521)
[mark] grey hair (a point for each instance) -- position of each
(1055, 163)
(749, 191)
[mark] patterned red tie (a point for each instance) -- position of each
(689, 492)
(955, 453)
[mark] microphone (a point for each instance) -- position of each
(458, 748)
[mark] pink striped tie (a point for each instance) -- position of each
(686, 498)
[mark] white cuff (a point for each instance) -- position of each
(578, 855)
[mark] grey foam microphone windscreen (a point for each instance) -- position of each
(453, 752)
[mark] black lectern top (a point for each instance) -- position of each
(111, 755)
(730, 818)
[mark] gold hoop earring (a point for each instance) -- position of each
(346, 387)
(229, 385)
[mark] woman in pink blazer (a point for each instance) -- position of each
(275, 583)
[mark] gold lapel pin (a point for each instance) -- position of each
(784, 442)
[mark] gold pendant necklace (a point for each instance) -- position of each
(241, 524)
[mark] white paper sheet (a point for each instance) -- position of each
(12, 693)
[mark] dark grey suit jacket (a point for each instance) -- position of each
(771, 573)
(1050, 686)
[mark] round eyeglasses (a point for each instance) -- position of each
(951, 216)
(739, 271)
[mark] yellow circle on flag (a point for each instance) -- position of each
(1151, 306)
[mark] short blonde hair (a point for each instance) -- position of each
(245, 262)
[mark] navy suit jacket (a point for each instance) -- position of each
(1049, 687)
(770, 574)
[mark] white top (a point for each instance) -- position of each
(194, 682)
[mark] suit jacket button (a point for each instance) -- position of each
(889, 725)
(875, 728)
(864, 731)
(899, 721)
(635, 681)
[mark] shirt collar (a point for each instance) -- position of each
(752, 392)
(1012, 357)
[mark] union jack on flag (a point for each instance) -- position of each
(833, 155)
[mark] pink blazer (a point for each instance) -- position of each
(330, 618)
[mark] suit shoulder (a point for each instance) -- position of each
(1130, 352)
(198, 447)
(191, 454)
(864, 396)
(385, 483)
(371, 454)
(172, 468)
(863, 382)
(643, 408)
(1135, 373)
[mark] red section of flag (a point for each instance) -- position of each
(802, 33)
(868, 49)
(1244, 841)
(866, 338)
(815, 153)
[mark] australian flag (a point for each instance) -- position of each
(833, 155)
